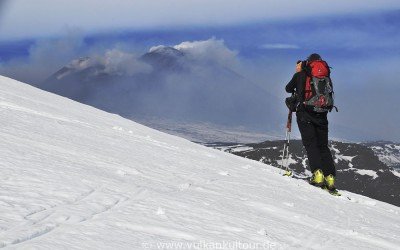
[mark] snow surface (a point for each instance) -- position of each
(242, 149)
(388, 154)
(371, 173)
(396, 173)
(286, 162)
(74, 177)
(339, 157)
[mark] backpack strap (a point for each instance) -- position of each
(308, 90)
(334, 107)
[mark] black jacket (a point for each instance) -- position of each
(297, 85)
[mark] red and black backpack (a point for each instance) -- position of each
(318, 92)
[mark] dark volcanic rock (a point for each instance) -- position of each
(165, 58)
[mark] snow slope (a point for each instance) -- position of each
(74, 177)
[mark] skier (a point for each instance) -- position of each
(312, 121)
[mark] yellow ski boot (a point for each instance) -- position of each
(330, 182)
(330, 185)
(317, 179)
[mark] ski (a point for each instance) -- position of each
(334, 192)
(288, 173)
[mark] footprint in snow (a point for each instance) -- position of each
(233, 229)
(225, 173)
(262, 232)
(160, 211)
(117, 128)
(127, 171)
(289, 204)
(75, 218)
(121, 173)
(184, 186)
(62, 218)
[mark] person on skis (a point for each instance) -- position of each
(312, 85)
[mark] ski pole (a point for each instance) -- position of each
(285, 152)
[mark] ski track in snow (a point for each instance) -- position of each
(73, 177)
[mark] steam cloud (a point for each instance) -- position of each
(45, 57)
(210, 51)
(113, 62)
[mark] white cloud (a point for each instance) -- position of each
(154, 48)
(121, 63)
(21, 18)
(279, 46)
(113, 62)
(209, 51)
(45, 57)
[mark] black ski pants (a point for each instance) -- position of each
(314, 134)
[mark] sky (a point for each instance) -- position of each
(359, 39)
(24, 18)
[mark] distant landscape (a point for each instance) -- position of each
(369, 169)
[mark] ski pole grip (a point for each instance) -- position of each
(289, 122)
